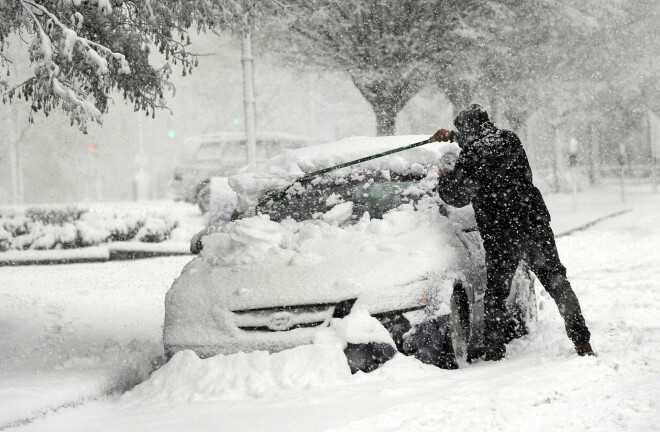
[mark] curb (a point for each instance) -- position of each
(592, 223)
(112, 255)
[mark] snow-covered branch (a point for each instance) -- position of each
(84, 50)
(51, 55)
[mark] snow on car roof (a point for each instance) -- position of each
(325, 155)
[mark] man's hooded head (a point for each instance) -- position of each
(469, 121)
(472, 123)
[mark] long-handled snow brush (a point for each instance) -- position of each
(276, 195)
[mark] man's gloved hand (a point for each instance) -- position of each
(441, 136)
(442, 172)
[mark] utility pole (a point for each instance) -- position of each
(14, 138)
(13, 159)
(248, 94)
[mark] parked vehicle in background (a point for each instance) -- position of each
(222, 155)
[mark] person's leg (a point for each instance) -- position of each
(501, 263)
(542, 256)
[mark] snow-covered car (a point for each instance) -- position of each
(221, 154)
(370, 240)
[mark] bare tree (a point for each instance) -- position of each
(391, 49)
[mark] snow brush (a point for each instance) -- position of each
(277, 195)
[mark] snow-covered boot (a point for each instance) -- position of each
(584, 349)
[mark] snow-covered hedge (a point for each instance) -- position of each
(43, 228)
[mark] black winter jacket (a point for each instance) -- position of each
(493, 173)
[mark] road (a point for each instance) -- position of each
(103, 322)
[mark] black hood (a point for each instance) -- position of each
(472, 123)
(470, 119)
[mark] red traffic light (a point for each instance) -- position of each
(91, 147)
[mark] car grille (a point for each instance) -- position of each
(285, 318)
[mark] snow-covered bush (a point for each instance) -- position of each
(124, 228)
(53, 236)
(5, 239)
(54, 216)
(155, 230)
(72, 227)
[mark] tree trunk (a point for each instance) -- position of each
(493, 111)
(14, 138)
(460, 95)
(556, 155)
(591, 154)
(248, 98)
(385, 121)
(387, 97)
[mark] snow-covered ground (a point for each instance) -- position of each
(77, 332)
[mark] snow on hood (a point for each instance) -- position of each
(387, 264)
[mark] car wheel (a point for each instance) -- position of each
(203, 196)
(430, 342)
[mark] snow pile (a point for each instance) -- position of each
(244, 241)
(187, 378)
(356, 328)
(260, 374)
(339, 213)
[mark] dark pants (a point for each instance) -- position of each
(538, 249)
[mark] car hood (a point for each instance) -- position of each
(403, 261)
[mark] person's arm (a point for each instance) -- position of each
(454, 186)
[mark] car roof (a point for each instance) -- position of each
(320, 156)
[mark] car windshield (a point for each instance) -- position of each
(369, 192)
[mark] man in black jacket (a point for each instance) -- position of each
(492, 173)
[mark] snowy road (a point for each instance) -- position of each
(542, 385)
(71, 332)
